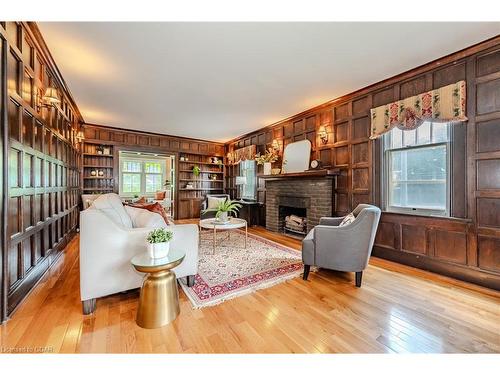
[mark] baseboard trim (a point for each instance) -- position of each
(456, 271)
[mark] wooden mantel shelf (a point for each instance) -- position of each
(312, 173)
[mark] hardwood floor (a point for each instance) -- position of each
(398, 309)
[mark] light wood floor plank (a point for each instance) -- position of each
(398, 309)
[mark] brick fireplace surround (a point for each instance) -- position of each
(314, 193)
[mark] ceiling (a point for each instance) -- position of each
(216, 81)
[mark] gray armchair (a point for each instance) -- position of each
(345, 248)
(204, 205)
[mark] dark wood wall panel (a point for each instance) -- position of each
(42, 165)
(460, 247)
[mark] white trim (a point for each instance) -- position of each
(386, 176)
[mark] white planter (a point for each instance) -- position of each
(267, 168)
(223, 217)
(158, 250)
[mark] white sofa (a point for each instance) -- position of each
(111, 235)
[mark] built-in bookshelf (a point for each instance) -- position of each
(97, 168)
(193, 187)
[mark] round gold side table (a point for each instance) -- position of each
(159, 299)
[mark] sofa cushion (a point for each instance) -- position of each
(160, 195)
(347, 220)
(213, 202)
(153, 207)
(111, 205)
(142, 218)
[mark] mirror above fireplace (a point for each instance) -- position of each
(296, 157)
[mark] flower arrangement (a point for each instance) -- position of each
(270, 156)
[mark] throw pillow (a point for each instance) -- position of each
(347, 220)
(213, 202)
(153, 207)
(140, 200)
(160, 195)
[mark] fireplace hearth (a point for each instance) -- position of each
(306, 197)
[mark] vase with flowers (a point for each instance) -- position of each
(269, 157)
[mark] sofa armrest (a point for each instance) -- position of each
(331, 221)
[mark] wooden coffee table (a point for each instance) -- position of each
(233, 223)
(159, 299)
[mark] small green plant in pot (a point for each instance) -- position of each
(196, 171)
(225, 209)
(159, 242)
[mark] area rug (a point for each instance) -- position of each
(233, 271)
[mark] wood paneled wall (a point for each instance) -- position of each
(39, 162)
(132, 140)
(467, 246)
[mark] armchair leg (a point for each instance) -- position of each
(88, 306)
(190, 280)
(307, 268)
(359, 276)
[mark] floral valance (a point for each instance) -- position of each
(244, 153)
(446, 104)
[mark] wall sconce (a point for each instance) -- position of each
(229, 157)
(49, 99)
(80, 137)
(275, 145)
(323, 134)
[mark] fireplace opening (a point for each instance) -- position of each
(293, 221)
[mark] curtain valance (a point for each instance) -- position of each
(244, 153)
(445, 104)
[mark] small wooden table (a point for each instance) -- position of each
(233, 223)
(159, 299)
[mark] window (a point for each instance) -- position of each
(247, 169)
(141, 176)
(416, 170)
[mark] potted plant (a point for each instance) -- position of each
(196, 171)
(267, 159)
(224, 209)
(159, 242)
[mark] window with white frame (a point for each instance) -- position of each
(141, 176)
(417, 169)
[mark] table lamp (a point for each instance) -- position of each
(241, 181)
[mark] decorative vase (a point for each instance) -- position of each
(158, 250)
(267, 168)
(223, 217)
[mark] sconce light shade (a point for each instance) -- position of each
(241, 180)
(276, 144)
(79, 136)
(323, 134)
(51, 96)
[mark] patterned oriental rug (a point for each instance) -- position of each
(234, 271)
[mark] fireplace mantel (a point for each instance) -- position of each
(312, 173)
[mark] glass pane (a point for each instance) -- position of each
(418, 178)
(409, 137)
(396, 138)
(153, 183)
(131, 166)
(150, 167)
(131, 183)
(439, 132)
(248, 171)
(424, 134)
